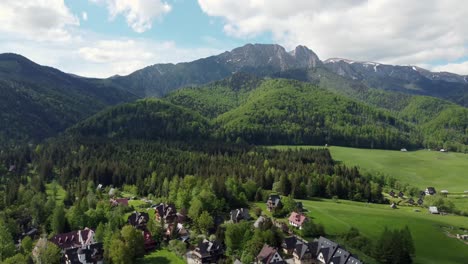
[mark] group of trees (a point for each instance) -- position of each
(392, 247)
(206, 180)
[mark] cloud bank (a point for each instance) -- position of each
(388, 31)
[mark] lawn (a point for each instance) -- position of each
(59, 191)
(422, 168)
(432, 244)
(161, 257)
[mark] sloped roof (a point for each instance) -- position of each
(301, 249)
(297, 218)
(73, 239)
(289, 242)
(326, 247)
(259, 221)
(138, 218)
(266, 254)
(240, 214)
(274, 199)
(340, 256)
(353, 260)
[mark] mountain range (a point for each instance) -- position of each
(242, 95)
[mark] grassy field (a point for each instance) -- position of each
(431, 242)
(59, 191)
(161, 257)
(423, 168)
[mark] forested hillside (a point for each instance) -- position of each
(148, 119)
(290, 112)
(39, 102)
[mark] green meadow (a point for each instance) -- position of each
(162, 256)
(422, 168)
(432, 243)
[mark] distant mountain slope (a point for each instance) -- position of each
(148, 119)
(280, 111)
(218, 97)
(262, 59)
(273, 60)
(407, 79)
(38, 102)
(423, 115)
(291, 112)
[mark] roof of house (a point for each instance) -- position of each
(166, 210)
(340, 256)
(86, 254)
(289, 242)
(208, 248)
(73, 239)
(260, 220)
(138, 218)
(297, 218)
(266, 254)
(275, 199)
(430, 190)
(353, 260)
(239, 214)
(119, 201)
(433, 209)
(301, 249)
(326, 247)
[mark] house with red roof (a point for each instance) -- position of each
(297, 219)
(269, 255)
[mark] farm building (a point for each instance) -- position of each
(433, 210)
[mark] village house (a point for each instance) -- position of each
(208, 252)
(259, 222)
(119, 201)
(79, 247)
(411, 201)
(138, 219)
(150, 244)
(274, 202)
(167, 212)
(430, 191)
(325, 250)
(420, 201)
(329, 252)
(74, 239)
(289, 244)
(392, 193)
(401, 194)
(340, 256)
(177, 231)
(433, 210)
(304, 252)
(297, 219)
(239, 214)
(90, 254)
(269, 255)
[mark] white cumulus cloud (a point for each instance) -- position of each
(84, 16)
(459, 68)
(389, 31)
(139, 14)
(40, 20)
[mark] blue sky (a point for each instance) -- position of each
(100, 38)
